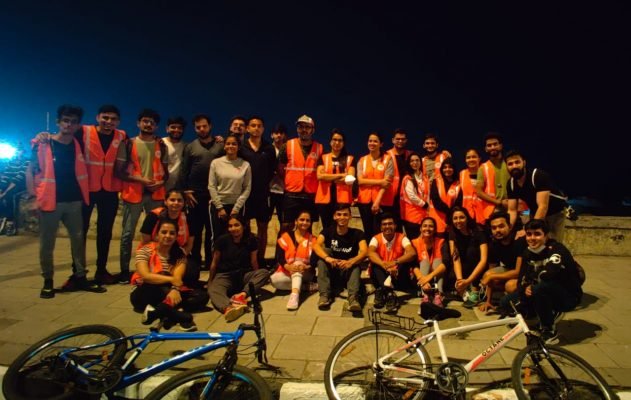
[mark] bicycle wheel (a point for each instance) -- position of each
(351, 369)
(534, 376)
(38, 373)
(245, 384)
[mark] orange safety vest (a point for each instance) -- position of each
(101, 166)
(470, 200)
(133, 191)
(155, 265)
(395, 252)
(300, 173)
(368, 193)
(448, 197)
(182, 227)
(397, 176)
(409, 211)
(45, 183)
(421, 250)
(438, 161)
(344, 191)
(300, 253)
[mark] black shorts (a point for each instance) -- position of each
(292, 206)
(258, 207)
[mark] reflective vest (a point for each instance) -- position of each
(155, 265)
(344, 191)
(409, 211)
(470, 200)
(45, 183)
(488, 170)
(422, 253)
(133, 191)
(397, 175)
(182, 226)
(448, 196)
(438, 161)
(395, 252)
(301, 253)
(300, 174)
(368, 193)
(101, 166)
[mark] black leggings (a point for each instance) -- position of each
(143, 295)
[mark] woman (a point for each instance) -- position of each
(468, 180)
(444, 193)
(375, 173)
(233, 267)
(469, 250)
(414, 198)
(229, 184)
(430, 269)
(336, 174)
(159, 290)
(294, 259)
(173, 210)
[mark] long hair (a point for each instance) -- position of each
(343, 153)
(409, 171)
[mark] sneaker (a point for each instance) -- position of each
(10, 229)
(438, 300)
(472, 300)
(47, 291)
(239, 299)
(324, 303)
(234, 311)
(550, 336)
(558, 316)
(292, 303)
(149, 315)
(70, 285)
(124, 277)
(392, 302)
(104, 278)
(380, 300)
(83, 284)
(353, 304)
(187, 326)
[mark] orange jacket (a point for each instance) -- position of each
(101, 166)
(344, 191)
(470, 200)
(423, 254)
(438, 161)
(448, 196)
(409, 211)
(397, 174)
(368, 193)
(488, 169)
(45, 183)
(397, 247)
(302, 253)
(155, 265)
(300, 173)
(133, 191)
(182, 227)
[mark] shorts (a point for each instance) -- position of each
(258, 207)
(292, 206)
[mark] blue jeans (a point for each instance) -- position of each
(131, 214)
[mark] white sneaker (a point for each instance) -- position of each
(292, 303)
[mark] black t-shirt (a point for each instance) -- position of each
(468, 247)
(263, 164)
(343, 247)
(106, 141)
(151, 220)
(235, 257)
(506, 255)
(67, 187)
(528, 192)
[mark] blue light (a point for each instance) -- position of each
(7, 151)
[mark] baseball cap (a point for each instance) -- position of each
(306, 119)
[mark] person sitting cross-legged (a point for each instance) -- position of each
(430, 271)
(390, 253)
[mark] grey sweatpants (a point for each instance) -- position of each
(69, 213)
(225, 284)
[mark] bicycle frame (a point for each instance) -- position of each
(438, 334)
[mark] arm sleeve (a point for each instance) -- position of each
(149, 223)
(389, 168)
(438, 203)
(212, 184)
(412, 194)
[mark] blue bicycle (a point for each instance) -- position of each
(90, 361)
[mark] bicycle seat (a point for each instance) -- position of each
(432, 311)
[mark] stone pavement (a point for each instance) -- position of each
(300, 341)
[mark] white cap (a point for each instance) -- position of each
(306, 119)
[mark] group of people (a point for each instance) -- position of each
(463, 229)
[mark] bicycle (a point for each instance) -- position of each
(386, 361)
(89, 361)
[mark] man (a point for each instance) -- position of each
(262, 158)
(238, 126)
(548, 282)
(390, 253)
(277, 185)
(142, 164)
(493, 177)
(536, 188)
(340, 250)
(505, 257)
(297, 162)
(175, 147)
(61, 185)
(400, 155)
(433, 158)
(193, 180)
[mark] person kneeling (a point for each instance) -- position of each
(159, 290)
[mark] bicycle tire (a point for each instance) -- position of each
(33, 375)
(350, 370)
(245, 384)
(534, 377)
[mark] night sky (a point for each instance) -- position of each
(553, 80)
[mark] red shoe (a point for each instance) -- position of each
(239, 299)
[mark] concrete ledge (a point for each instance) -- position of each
(606, 236)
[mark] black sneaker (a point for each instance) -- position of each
(83, 284)
(70, 285)
(324, 303)
(353, 304)
(550, 336)
(380, 301)
(187, 326)
(47, 291)
(149, 315)
(392, 302)
(123, 278)
(105, 278)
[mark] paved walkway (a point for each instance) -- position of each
(300, 341)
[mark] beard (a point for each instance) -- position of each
(516, 173)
